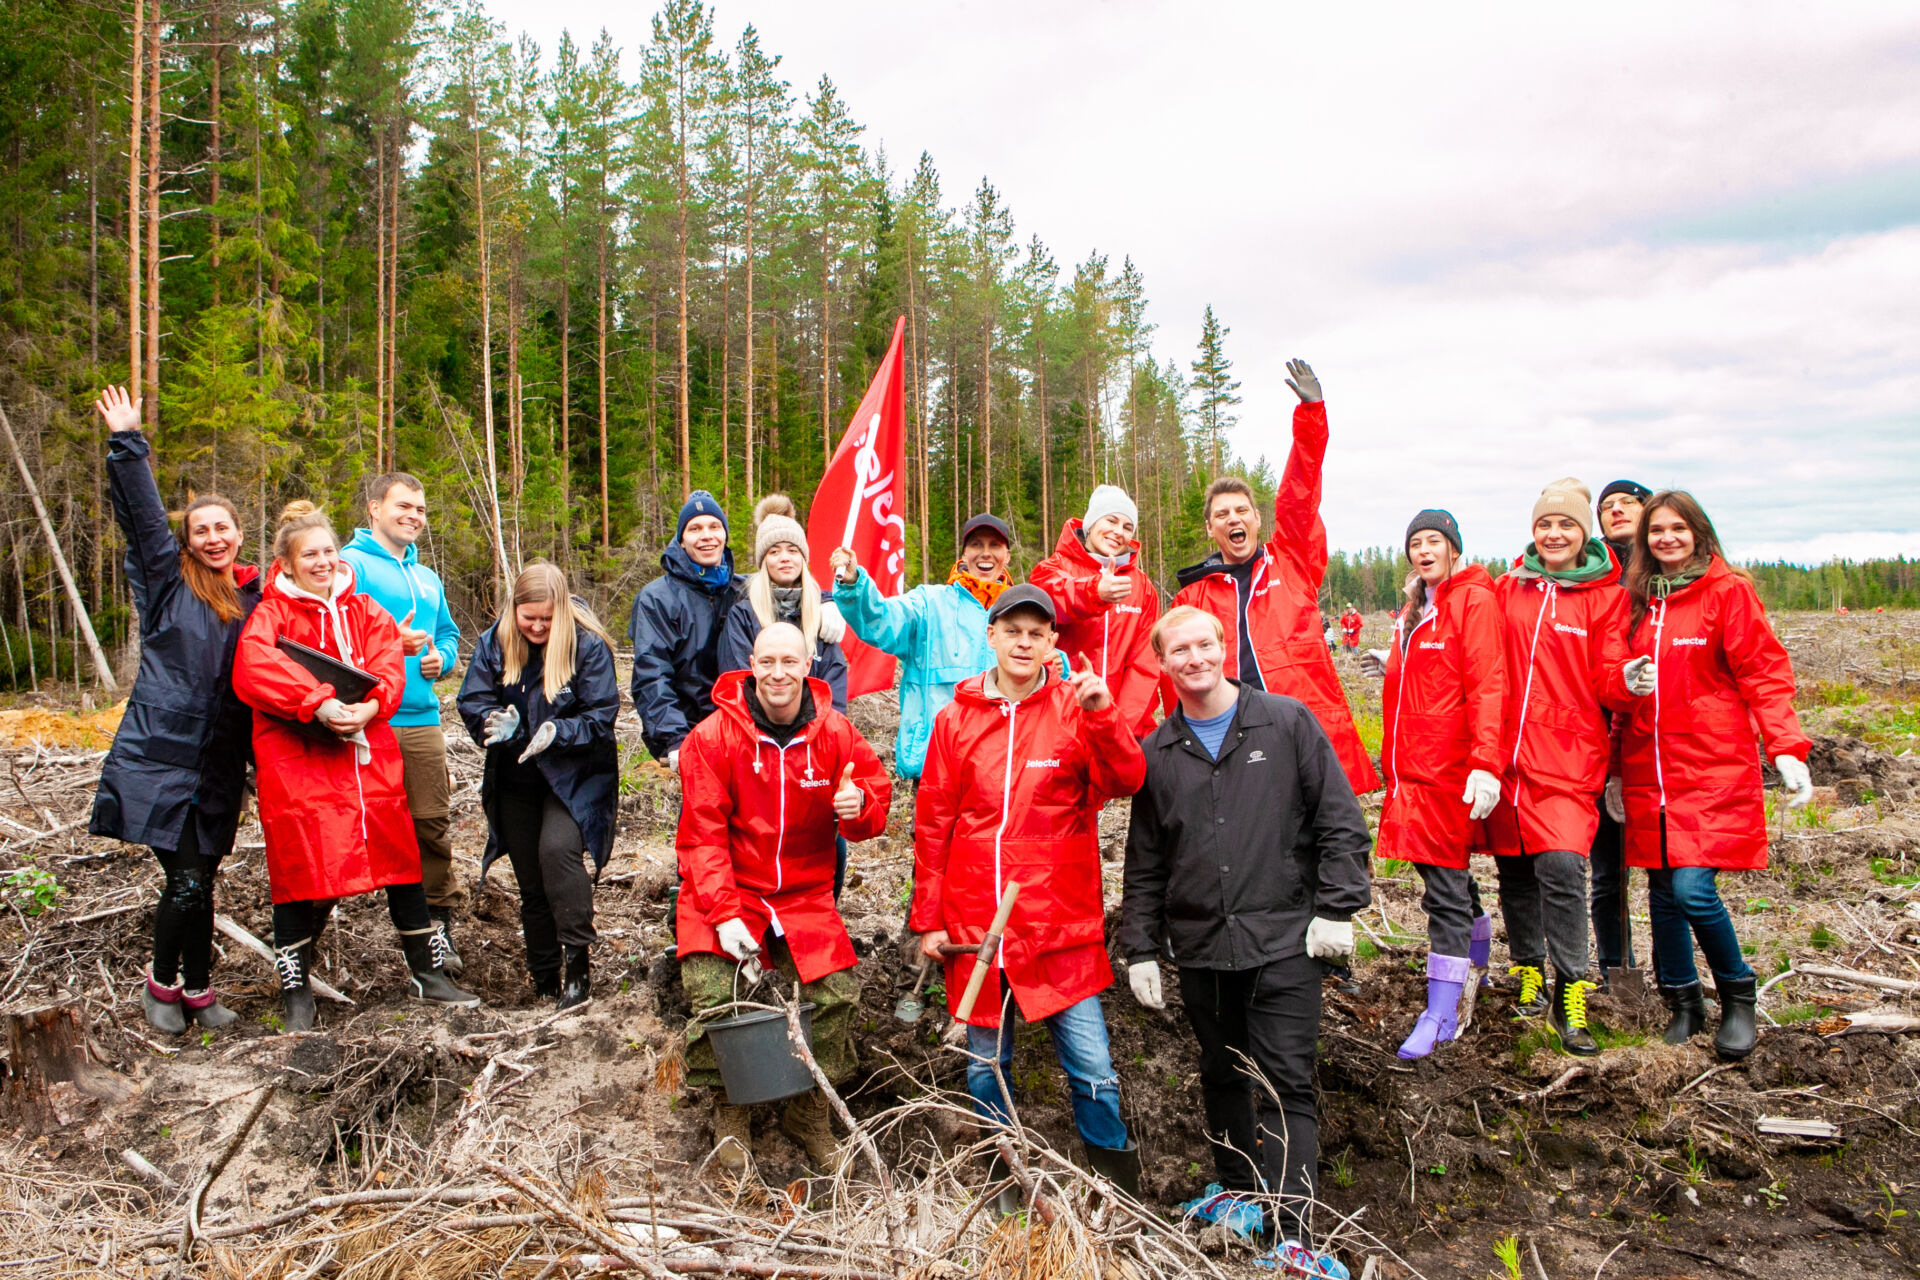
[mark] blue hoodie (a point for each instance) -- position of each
(399, 585)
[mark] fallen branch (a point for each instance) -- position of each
(321, 986)
(1885, 1021)
(1560, 1082)
(566, 1213)
(214, 1170)
(1857, 977)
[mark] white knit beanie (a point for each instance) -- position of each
(777, 529)
(1107, 500)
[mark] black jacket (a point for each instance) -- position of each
(1227, 861)
(185, 740)
(676, 627)
(582, 765)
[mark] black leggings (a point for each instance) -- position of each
(298, 922)
(543, 843)
(183, 920)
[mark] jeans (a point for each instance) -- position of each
(556, 895)
(1688, 898)
(1543, 898)
(1271, 1017)
(1452, 903)
(1079, 1035)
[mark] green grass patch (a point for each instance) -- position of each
(1525, 1046)
(1373, 730)
(1363, 949)
(1395, 868)
(1887, 871)
(1809, 1012)
(1821, 937)
(1608, 1038)
(1830, 693)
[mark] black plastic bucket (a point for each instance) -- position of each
(756, 1059)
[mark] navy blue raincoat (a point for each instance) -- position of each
(582, 765)
(677, 623)
(185, 741)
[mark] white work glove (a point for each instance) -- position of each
(329, 711)
(1642, 677)
(501, 725)
(1483, 792)
(737, 941)
(1373, 662)
(1329, 939)
(1794, 780)
(542, 739)
(833, 623)
(1615, 799)
(673, 760)
(1144, 977)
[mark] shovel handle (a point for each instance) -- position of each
(984, 955)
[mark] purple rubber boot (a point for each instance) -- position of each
(1446, 978)
(1480, 947)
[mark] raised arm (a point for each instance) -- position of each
(1299, 536)
(153, 555)
(889, 624)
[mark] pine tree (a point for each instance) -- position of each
(1215, 386)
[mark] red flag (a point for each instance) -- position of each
(861, 505)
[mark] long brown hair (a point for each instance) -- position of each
(1642, 567)
(216, 590)
(539, 583)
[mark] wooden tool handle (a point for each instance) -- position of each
(983, 959)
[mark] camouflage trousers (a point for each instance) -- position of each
(708, 982)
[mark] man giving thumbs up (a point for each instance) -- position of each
(767, 781)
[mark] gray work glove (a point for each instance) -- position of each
(1304, 384)
(501, 726)
(542, 739)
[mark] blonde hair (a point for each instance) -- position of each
(540, 583)
(1178, 616)
(296, 518)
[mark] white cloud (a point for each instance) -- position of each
(1482, 225)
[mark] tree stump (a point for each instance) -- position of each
(52, 1077)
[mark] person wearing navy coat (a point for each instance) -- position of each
(677, 623)
(540, 697)
(176, 776)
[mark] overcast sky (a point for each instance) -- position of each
(1677, 243)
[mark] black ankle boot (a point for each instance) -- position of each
(575, 987)
(430, 982)
(1738, 1033)
(1009, 1199)
(1119, 1165)
(1689, 1010)
(1567, 1015)
(296, 991)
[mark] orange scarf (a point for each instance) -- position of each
(985, 590)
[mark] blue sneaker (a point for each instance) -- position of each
(1243, 1217)
(1292, 1258)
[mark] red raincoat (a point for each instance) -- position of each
(1283, 609)
(1688, 752)
(1112, 637)
(1444, 698)
(334, 827)
(1566, 643)
(1012, 791)
(1350, 624)
(757, 827)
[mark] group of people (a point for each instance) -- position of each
(1599, 701)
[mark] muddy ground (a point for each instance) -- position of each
(1645, 1162)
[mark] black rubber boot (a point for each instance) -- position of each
(547, 985)
(1534, 999)
(296, 991)
(1689, 1010)
(450, 960)
(430, 983)
(1010, 1199)
(1737, 1034)
(575, 986)
(1568, 1017)
(1118, 1165)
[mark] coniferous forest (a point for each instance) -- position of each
(325, 238)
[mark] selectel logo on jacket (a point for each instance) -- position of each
(1128, 608)
(1699, 640)
(1043, 764)
(1433, 644)
(1572, 631)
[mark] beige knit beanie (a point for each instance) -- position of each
(1566, 497)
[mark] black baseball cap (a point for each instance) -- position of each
(1024, 596)
(997, 525)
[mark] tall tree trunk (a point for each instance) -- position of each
(151, 380)
(486, 364)
(135, 116)
(747, 426)
(398, 163)
(93, 233)
(217, 37)
(566, 406)
(60, 563)
(986, 416)
(606, 534)
(683, 399)
(953, 431)
(380, 306)
(1046, 443)
(919, 402)
(826, 349)
(726, 385)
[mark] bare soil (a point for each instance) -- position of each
(1644, 1162)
